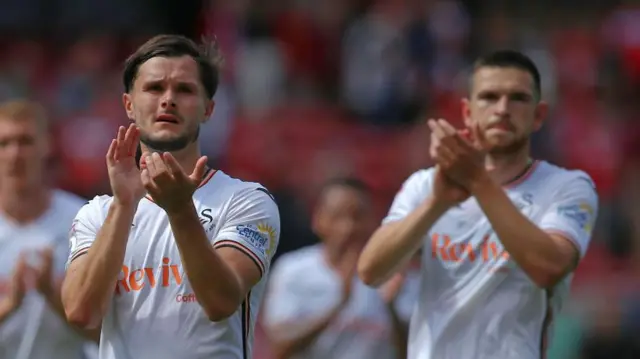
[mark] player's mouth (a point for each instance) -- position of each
(502, 126)
(168, 118)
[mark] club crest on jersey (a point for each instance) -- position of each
(261, 236)
(582, 214)
(206, 219)
(525, 200)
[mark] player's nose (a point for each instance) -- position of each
(502, 106)
(168, 100)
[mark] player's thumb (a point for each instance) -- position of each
(198, 172)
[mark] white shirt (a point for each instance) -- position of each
(154, 313)
(35, 331)
(475, 302)
(303, 289)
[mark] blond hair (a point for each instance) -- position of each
(24, 110)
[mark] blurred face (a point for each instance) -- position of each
(343, 218)
(503, 108)
(24, 148)
(168, 102)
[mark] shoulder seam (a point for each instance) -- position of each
(264, 190)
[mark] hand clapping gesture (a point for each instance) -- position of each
(167, 183)
(124, 175)
(159, 175)
(17, 289)
(458, 154)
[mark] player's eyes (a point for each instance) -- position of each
(185, 89)
(520, 97)
(489, 96)
(154, 88)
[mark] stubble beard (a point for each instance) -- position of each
(172, 145)
(516, 146)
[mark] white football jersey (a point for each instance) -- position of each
(154, 312)
(35, 331)
(303, 289)
(474, 301)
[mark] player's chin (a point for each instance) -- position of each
(500, 137)
(167, 127)
(505, 145)
(166, 134)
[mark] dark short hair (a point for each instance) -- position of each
(206, 56)
(511, 59)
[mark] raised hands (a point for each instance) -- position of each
(44, 280)
(124, 175)
(458, 154)
(17, 289)
(167, 183)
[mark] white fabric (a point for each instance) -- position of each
(154, 313)
(303, 289)
(474, 301)
(35, 331)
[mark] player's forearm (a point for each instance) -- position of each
(529, 246)
(399, 332)
(215, 284)
(285, 349)
(393, 244)
(89, 284)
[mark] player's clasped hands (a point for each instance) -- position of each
(17, 288)
(24, 274)
(458, 153)
(459, 157)
(44, 273)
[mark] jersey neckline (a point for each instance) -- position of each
(523, 176)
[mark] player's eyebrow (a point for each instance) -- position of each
(160, 82)
(516, 94)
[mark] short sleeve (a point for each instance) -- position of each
(414, 190)
(84, 229)
(574, 212)
(251, 225)
(284, 304)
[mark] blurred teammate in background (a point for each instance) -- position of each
(186, 248)
(317, 308)
(501, 232)
(34, 225)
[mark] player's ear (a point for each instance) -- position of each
(541, 112)
(208, 111)
(128, 105)
(466, 112)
